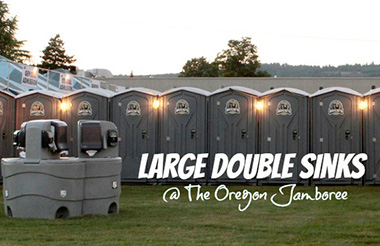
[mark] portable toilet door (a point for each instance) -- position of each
(336, 125)
(83, 104)
(36, 105)
(7, 124)
(371, 112)
(233, 126)
(135, 113)
(183, 124)
(284, 128)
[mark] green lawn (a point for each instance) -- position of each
(145, 219)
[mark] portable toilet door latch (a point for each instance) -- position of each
(193, 133)
(295, 134)
(144, 134)
(347, 133)
(244, 134)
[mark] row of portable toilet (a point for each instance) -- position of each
(230, 120)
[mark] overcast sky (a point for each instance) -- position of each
(155, 37)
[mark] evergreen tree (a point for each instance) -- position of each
(10, 47)
(55, 55)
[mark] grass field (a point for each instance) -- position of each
(145, 219)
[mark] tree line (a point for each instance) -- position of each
(356, 70)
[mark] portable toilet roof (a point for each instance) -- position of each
(237, 88)
(371, 92)
(43, 92)
(99, 92)
(339, 89)
(288, 89)
(139, 89)
(189, 89)
(7, 93)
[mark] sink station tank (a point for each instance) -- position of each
(42, 184)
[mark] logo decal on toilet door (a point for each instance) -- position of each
(133, 108)
(182, 107)
(336, 108)
(84, 108)
(37, 109)
(284, 108)
(232, 107)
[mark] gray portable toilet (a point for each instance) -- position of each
(36, 105)
(183, 124)
(134, 112)
(233, 126)
(371, 113)
(284, 127)
(336, 125)
(7, 123)
(83, 104)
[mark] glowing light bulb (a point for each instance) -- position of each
(259, 105)
(156, 104)
(63, 106)
(363, 105)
